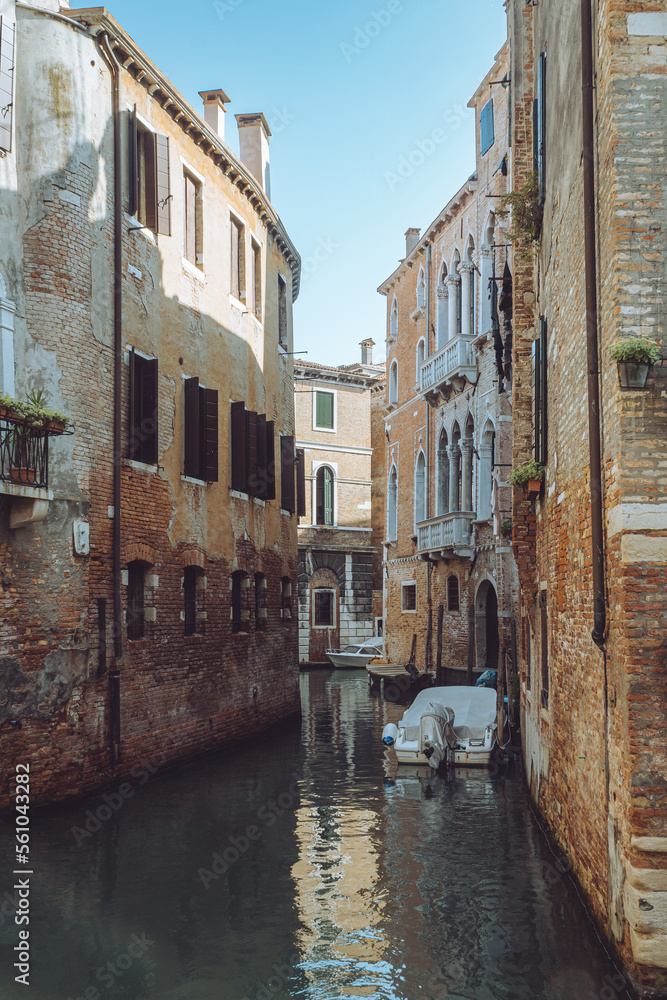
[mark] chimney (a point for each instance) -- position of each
(411, 240)
(215, 110)
(254, 135)
(367, 351)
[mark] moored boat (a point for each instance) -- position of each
(356, 655)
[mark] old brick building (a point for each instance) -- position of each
(448, 421)
(592, 548)
(146, 283)
(338, 427)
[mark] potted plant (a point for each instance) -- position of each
(529, 476)
(506, 527)
(634, 357)
(20, 471)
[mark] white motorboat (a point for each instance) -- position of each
(455, 724)
(358, 654)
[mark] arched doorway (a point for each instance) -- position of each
(487, 642)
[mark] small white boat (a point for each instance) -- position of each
(455, 724)
(358, 654)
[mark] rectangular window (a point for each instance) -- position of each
(300, 482)
(190, 599)
(286, 600)
(453, 594)
(323, 609)
(238, 289)
(193, 251)
(143, 418)
(7, 33)
(544, 648)
(200, 440)
(149, 182)
(539, 123)
(253, 453)
(324, 411)
(282, 312)
(135, 601)
(256, 285)
(409, 597)
(540, 428)
(486, 127)
(287, 478)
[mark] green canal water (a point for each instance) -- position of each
(304, 864)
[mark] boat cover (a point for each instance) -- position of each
(474, 709)
(436, 732)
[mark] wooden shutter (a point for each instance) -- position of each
(300, 482)
(150, 179)
(191, 435)
(486, 127)
(236, 238)
(543, 392)
(7, 48)
(541, 109)
(132, 436)
(260, 469)
(190, 220)
(163, 185)
(251, 453)
(148, 429)
(133, 163)
(537, 409)
(210, 435)
(328, 497)
(324, 413)
(239, 450)
(287, 473)
(270, 461)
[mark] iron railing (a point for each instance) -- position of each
(24, 454)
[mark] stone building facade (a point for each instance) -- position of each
(340, 576)
(146, 287)
(592, 548)
(448, 422)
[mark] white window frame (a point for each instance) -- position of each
(326, 430)
(393, 367)
(393, 326)
(421, 342)
(331, 591)
(404, 610)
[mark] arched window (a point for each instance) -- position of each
(470, 278)
(324, 496)
(393, 319)
(442, 488)
(421, 354)
(456, 290)
(260, 601)
(420, 488)
(467, 502)
(421, 289)
(392, 505)
(393, 382)
(441, 309)
(240, 609)
(486, 461)
(286, 600)
(193, 599)
(455, 470)
(453, 593)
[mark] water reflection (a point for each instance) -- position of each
(304, 865)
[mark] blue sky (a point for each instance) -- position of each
(353, 91)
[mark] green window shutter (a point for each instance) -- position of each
(324, 412)
(328, 496)
(486, 127)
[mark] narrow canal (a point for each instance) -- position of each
(303, 865)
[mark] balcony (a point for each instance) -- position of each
(452, 364)
(446, 535)
(24, 470)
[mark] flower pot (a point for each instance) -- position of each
(633, 374)
(22, 474)
(54, 426)
(533, 488)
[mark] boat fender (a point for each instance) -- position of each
(389, 734)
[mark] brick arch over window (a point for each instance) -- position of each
(311, 562)
(193, 557)
(138, 552)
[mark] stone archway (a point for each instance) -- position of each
(487, 640)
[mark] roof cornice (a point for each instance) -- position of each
(137, 63)
(449, 211)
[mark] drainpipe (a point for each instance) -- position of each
(427, 491)
(114, 675)
(597, 538)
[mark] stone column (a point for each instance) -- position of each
(441, 317)
(486, 255)
(454, 458)
(465, 270)
(453, 284)
(466, 474)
